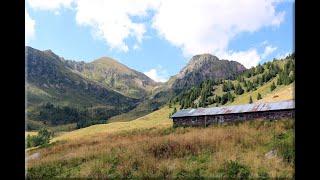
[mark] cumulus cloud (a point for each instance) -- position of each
(29, 27)
(207, 26)
(157, 74)
(112, 20)
(195, 26)
(53, 5)
(269, 49)
(247, 58)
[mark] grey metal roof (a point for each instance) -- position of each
(289, 104)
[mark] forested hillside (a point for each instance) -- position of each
(210, 92)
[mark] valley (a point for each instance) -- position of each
(103, 130)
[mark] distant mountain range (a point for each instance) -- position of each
(108, 85)
(115, 76)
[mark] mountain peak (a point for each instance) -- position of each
(201, 58)
(51, 53)
(206, 55)
(106, 60)
(109, 63)
(202, 67)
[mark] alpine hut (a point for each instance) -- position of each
(212, 115)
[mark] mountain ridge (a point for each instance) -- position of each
(108, 84)
(50, 81)
(116, 76)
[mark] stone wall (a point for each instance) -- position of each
(224, 118)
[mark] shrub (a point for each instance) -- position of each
(42, 138)
(259, 96)
(174, 111)
(284, 144)
(233, 169)
(250, 100)
(239, 90)
(262, 174)
(272, 87)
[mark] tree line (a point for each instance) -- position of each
(52, 114)
(204, 94)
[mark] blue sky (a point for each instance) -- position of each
(158, 39)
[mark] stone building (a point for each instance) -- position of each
(214, 115)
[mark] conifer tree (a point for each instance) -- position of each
(174, 110)
(273, 86)
(239, 90)
(259, 96)
(250, 100)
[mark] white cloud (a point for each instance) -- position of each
(269, 49)
(207, 26)
(52, 5)
(247, 58)
(203, 26)
(195, 26)
(112, 20)
(29, 27)
(157, 74)
(283, 55)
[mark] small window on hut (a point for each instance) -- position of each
(193, 119)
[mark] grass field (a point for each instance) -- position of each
(279, 94)
(158, 119)
(31, 133)
(172, 153)
(149, 147)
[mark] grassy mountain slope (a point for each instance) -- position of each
(157, 119)
(199, 68)
(115, 76)
(147, 106)
(273, 79)
(280, 94)
(284, 92)
(50, 81)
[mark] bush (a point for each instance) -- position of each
(41, 139)
(284, 144)
(250, 100)
(174, 111)
(262, 174)
(82, 123)
(233, 169)
(239, 90)
(259, 96)
(272, 87)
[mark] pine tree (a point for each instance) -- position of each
(250, 100)
(174, 110)
(239, 90)
(273, 86)
(260, 80)
(259, 96)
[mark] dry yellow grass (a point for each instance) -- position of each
(31, 133)
(157, 119)
(149, 147)
(281, 94)
(165, 153)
